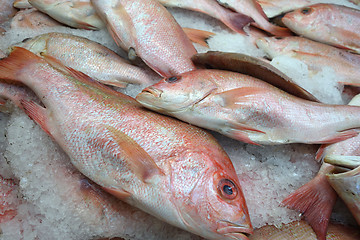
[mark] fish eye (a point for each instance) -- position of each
(172, 79)
(306, 11)
(227, 189)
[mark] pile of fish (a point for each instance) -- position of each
(124, 148)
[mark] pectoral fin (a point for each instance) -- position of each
(136, 157)
(237, 96)
(198, 36)
(37, 113)
(344, 161)
(119, 193)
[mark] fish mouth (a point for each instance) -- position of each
(153, 91)
(234, 230)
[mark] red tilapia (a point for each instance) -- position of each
(248, 109)
(170, 169)
(331, 24)
(146, 29)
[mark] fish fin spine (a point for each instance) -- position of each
(198, 36)
(36, 113)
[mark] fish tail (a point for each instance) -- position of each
(18, 59)
(198, 36)
(315, 200)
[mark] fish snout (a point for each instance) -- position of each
(153, 91)
(233, 230)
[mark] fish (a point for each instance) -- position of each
(32, 19)
(248, 109)
(315, 55)
(300, 230)
(169, 169)
(347, 185)
(252, 66)
(89, 57)
(252, 9)
(331, 24)
(273, 8)
(6, 10)
(315, 200)
(15, 93)
(144, 28)
(233, 20)
(22, 4)
(74, 13)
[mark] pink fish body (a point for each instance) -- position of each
(169, 169)
(316, 55)
(89, 57)
(248, 109)
(331, 24)
(74, 13)
(146, 28)
(252, 9)
(33, 19)
(235, 21)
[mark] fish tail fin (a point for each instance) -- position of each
(10, 66)
(315, 200)
(198, 36)
(236, 21)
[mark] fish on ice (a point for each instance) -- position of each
(248, 109)
(172, 170)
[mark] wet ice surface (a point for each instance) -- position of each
(267, 173)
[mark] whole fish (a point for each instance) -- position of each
(252, 9)
(33, 19)
(89, 57)
(172, 170)
(331, 24)
(347, 185)
(273, 8)
(315, 55)
(235, 21)
(6, 10)
(248, 109)
(22, 4)
(300, 230)
(146, 29)
(74, 13)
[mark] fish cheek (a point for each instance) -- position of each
(189, 180)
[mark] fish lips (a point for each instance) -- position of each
(235, 230)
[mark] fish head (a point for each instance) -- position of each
(304, 19)
(211, 203)
(36, 45)
(177, 93)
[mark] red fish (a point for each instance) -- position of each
(172, 170)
